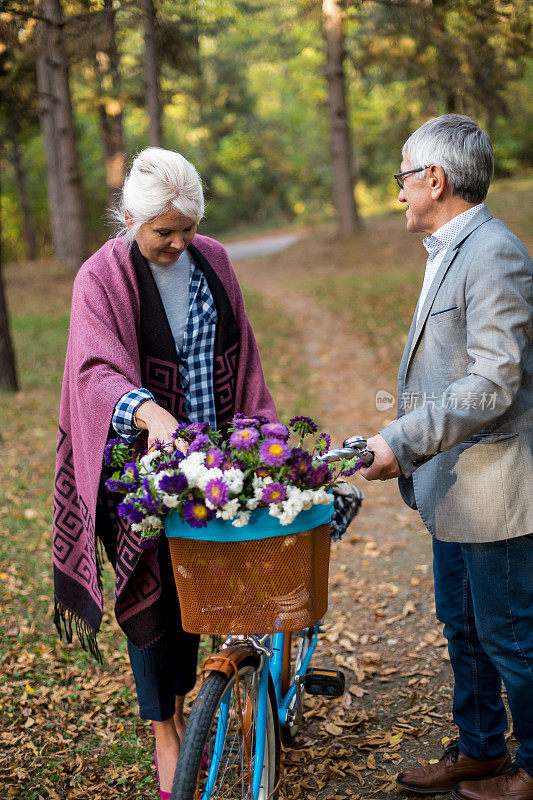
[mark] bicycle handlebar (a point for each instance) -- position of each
(351, 447)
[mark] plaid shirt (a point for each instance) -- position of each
(196, 362)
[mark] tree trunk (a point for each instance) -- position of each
(67, 212)
(151, 70)
(341, 151)
(29, 233)
(109, 107)
(8, 371)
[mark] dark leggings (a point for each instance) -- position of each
(168, 668)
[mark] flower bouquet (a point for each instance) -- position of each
(248, 540)
(223, 477)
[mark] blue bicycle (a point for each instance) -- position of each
(251, 699)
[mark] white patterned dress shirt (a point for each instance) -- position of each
(437, 246)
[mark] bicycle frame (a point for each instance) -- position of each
(271, 669)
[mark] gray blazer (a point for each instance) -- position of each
(464, 433)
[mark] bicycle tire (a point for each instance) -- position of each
(290, 730)
(195, 764)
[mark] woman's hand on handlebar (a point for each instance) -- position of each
(160, 425)
(385, 464)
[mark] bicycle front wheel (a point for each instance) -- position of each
(218, 752)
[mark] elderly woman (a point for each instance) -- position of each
(159, 335)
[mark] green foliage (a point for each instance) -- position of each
(245, 98)
(412, 61)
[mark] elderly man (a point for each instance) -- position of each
(462, 450)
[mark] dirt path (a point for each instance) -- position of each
(381, 626)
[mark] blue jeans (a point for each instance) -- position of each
(484, 597)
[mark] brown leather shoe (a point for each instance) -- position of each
(516, 784)
(451, 768)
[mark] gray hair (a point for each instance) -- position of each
(158, 180)
(463, 150)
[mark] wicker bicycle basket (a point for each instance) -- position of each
(253, 585)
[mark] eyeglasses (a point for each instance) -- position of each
(399, 177)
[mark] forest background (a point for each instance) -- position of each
(241, 87)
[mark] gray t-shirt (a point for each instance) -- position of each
(173, 283)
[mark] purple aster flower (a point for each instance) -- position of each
(274, 451)
(197, 514)
(173, 460)
(263, 472)
(214, 457)
(197, 427)
(201, 440)
(245, 422)
(303, 425)
(261, 419)
(150, 502)
(317, 476)
(352, 470)
(130, 512)
(300, 463)
(131, 474)
(231, 463)
(150, 538)
(116, 452)
(274, 493)
(123, 487)
(244, 439)
(217, 492)
(179, 429)
(323, 443)
(275, 429)
(173, 484)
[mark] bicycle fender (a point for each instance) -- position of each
(224, 660)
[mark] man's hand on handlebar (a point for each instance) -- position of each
(385, 464)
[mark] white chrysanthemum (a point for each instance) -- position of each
(153, 522)
(228, 511)
(170, 500)
(145, 463)
(139, 526)
(288, 516)
(258, 482)
(207, 475)
(253, 502)
(275, 509)
(242, 519)
(321, 497)
(193, 468)
(234, 477)
(193, 460)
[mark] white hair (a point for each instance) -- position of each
(463, 150)
(158, 181)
